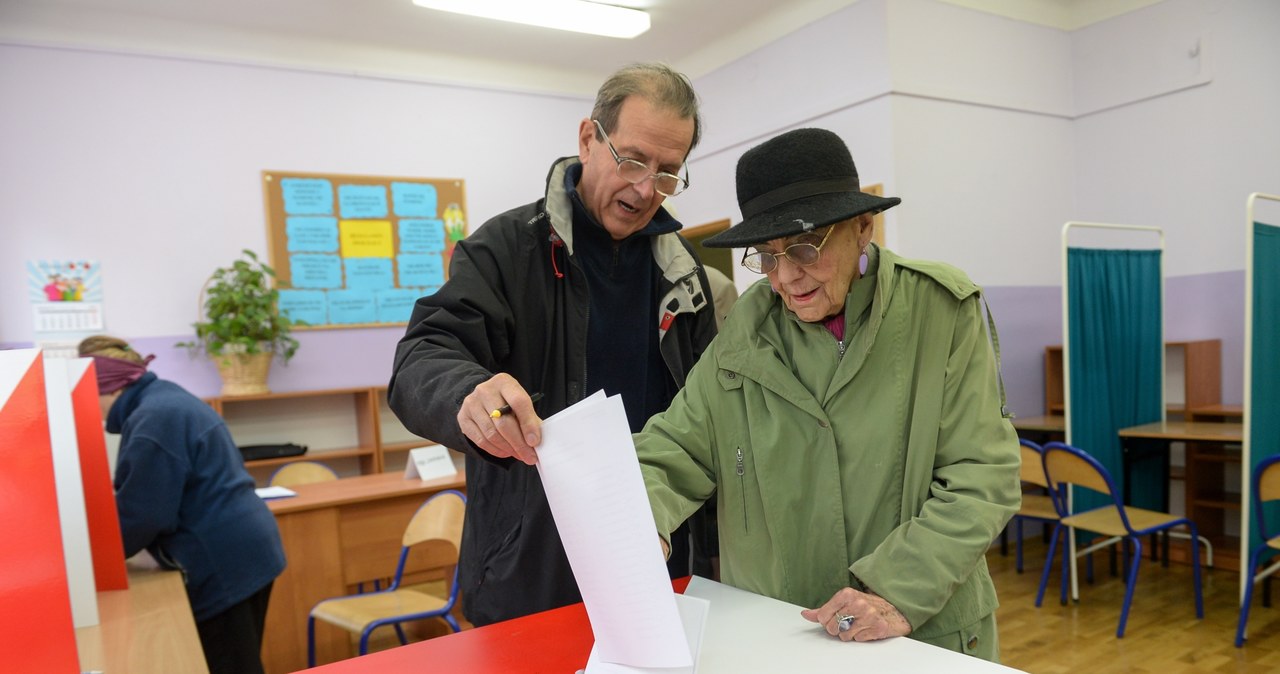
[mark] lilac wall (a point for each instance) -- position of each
(1029, 318)
(326, 359)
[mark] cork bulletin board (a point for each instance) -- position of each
(358, 251)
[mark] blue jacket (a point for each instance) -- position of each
(183, 494)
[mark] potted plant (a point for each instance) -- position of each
(243, 330)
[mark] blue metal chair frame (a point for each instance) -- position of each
(1017, 520)
(1058, 492)
(445, 612)
(1263, 550)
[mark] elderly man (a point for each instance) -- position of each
(589, 288)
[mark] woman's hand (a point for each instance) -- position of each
(869, 617)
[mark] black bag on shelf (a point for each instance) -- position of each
(252, 452)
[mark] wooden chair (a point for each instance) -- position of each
(1037, 507)
(439, 521)
(1266, 488)
(301, 472)
(1066, 466)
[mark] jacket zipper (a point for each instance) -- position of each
(742, 487)
(840, 349)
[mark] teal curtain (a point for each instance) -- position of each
(1264, 417)
(1116, 359)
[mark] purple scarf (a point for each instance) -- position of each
(115, 373)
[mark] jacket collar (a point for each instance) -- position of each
(125, 404)
(562, 197)
(679, 267)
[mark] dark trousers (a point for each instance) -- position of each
(696, 545)
(232, 640)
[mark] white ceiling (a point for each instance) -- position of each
(394, 38)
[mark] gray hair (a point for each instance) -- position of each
(655, 82)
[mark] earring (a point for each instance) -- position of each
(862, 263)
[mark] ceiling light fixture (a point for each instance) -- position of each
(578, 16)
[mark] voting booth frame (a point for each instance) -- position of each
(63, 542)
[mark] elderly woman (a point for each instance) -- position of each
(183, 494)
(848, 417)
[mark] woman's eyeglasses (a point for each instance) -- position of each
(799, 254)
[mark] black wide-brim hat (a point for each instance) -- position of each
(795, 183)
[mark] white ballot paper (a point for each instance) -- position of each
(589, 470)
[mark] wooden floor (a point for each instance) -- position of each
(1163, 635)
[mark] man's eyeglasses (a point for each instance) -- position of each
(636, 172)
(799, 254)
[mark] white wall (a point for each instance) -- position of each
(832, 73)
(153, 165)
(1186, 161)
(993, 131)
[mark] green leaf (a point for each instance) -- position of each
(241, 314)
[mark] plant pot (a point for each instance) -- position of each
(243, 373)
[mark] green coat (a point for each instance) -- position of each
(890, 468)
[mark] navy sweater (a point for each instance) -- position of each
(183, 494)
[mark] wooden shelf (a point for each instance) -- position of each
(1200, 385)
(403, 446)
(336, 425)
(322, 455)
(1220, 500)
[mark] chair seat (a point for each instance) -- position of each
(359, 611)
(1038, 506)
(1106, 520)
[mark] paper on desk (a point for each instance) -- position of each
(589, 470)
(274, 492)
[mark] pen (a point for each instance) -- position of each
(506, 409)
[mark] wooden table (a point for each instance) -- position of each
(146, 629)
(337, 535)
(1041, 429)
(1217, 412)
(1212, 447)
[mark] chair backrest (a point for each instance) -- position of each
(1066, 465)
(1033, 464)
(301, 472)
(1266, 487)
(1071, 465)
(439, 519)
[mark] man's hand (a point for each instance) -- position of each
(869, 617)
(512, 434)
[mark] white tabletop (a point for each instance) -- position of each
(747, 632)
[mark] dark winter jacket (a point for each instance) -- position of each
(517, 302)
(183, 494)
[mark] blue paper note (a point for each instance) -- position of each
(363, 201)
(352, 306)
(315, 271)
(414, 199)
(304, 305)
(420, 270)
(369, 273)
(311, 234)
(395, 305)
(422, 236)
(307, 196)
